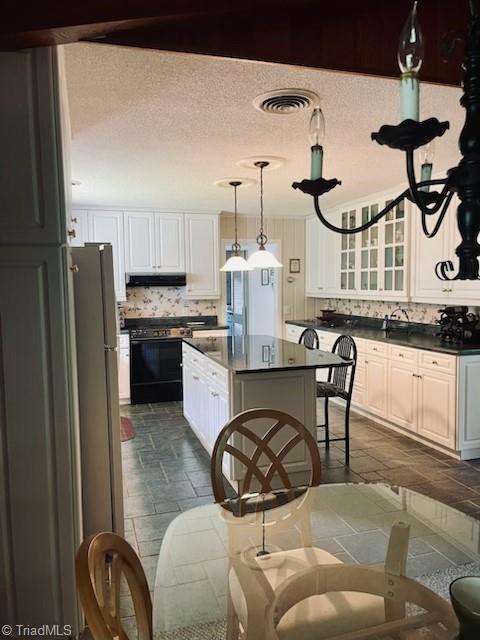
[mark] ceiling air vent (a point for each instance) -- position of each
(285, 101)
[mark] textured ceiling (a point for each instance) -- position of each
(154, 129)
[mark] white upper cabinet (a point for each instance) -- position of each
(107, 227)
(467, 291)
(202, 256)
(169, 243)
(320, 259)
(374, 261)
(154, 242)
(139, 242)
(427, 252)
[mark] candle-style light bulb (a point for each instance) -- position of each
(427, 155)
(410, 58)
(427, 152)
(411, 46)
(316, 135)
(316, 132)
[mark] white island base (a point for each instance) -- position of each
(213, 395)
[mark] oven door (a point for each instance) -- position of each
(155, 370)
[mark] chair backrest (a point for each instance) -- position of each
(345, 347)
(262, 449)
(309, 338)
(101, 561)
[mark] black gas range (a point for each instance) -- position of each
(156, 356)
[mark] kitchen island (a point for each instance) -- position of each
(223, 376)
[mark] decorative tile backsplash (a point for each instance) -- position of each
(418, 312)
(162, 302)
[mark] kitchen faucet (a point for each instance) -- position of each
(386, 324)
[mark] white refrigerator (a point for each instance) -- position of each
(99, 407)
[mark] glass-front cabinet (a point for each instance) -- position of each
(348, 253)
(394, 276)
(373, 262)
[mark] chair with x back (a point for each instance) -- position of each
(340, 385)
(263, 464)
(101, 561)
(309, 339)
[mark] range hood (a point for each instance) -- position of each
(156, 280)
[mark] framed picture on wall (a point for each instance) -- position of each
(294, 265)
(265, 277)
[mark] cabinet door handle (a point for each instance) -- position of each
(400, 355)
(214, 373)
(366, 361)
(374, 349)
(435, 362)
(215, 395)
(320, 288)
(72, 233)
(195, 377)
(74, 220)
(108, 347)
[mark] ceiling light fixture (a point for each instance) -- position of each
(262, 259)
(410, 134)
(236, 262)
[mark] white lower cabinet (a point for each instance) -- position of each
(437, 407)
(376, 385)
(123, 350)
(402, 396)
(432, 395)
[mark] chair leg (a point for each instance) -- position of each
(233, 625)
(347, 434)
(327, 432)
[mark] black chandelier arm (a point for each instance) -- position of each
(381, 214)
(438, 224)
(414, 187)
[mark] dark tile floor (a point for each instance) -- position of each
(166, 471)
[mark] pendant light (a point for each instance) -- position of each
(262, 259)
(236, 262)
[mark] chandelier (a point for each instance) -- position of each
(410, 135)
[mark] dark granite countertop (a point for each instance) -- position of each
(207, 327)
(197, 323)
(417, 339)
(251, 354)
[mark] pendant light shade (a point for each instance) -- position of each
(262, 258)
(236, 262)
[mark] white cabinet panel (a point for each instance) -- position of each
(462, 291)
(314, 275)
(139, 242)
(169, 243)
(77, 228)
(402, 394)
(202, 256)
(107, 227)
(321, 253)
(376, 385)
(293, 332)
(123, 372)
(437, 407)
